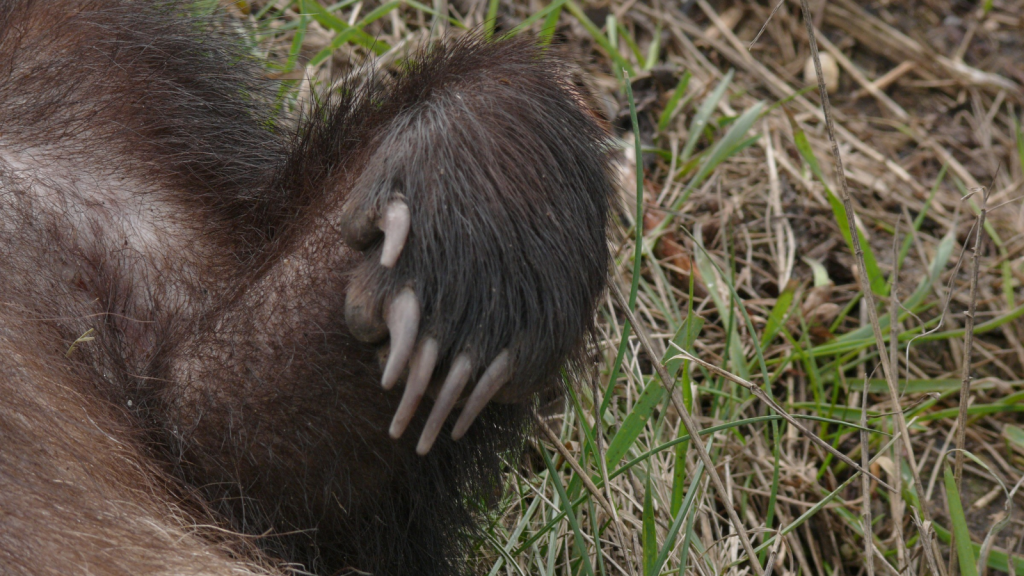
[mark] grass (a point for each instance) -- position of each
(862, 340)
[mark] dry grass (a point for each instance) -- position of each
(747, 263)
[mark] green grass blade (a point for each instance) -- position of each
(725, 307)
(490, 20)
(679, 470)
(631, 43)
(777, 316)
(703, 115)
(734, 140)
(654, 50)
(293, 58)
(567, 508)
(673, 102)
(677, 523)
(553, 8)
(964, 550)
(633, 424)
(428, 10)
(997, 559)
(649, 532)
(328, 20)
(875, 276)
(637, 252)
(547, 30)
(601, 39)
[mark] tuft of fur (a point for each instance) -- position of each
(148, 204)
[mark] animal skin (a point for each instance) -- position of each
(199, 302)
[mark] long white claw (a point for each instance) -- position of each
(421, 368)
(458, 375)
(403, 321)
(494, 378)
(395, 224)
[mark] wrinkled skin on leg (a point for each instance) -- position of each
(326, 337)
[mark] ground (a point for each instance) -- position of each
(747, 261)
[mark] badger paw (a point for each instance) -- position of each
(411, 351)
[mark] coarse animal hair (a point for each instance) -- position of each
(195, 297)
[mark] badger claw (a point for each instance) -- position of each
(421, 368)
(395, 224)
(450, 392)
(403, 320)
(494, 378)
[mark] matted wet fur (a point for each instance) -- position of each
(179, 390)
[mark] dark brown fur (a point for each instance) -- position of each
(147, 203)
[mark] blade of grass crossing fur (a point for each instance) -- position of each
(567, 507)
(958, 523)
(638, 249)
(203, 8)
(674, 101)
(288, 86)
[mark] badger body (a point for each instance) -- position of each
(198, 304)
